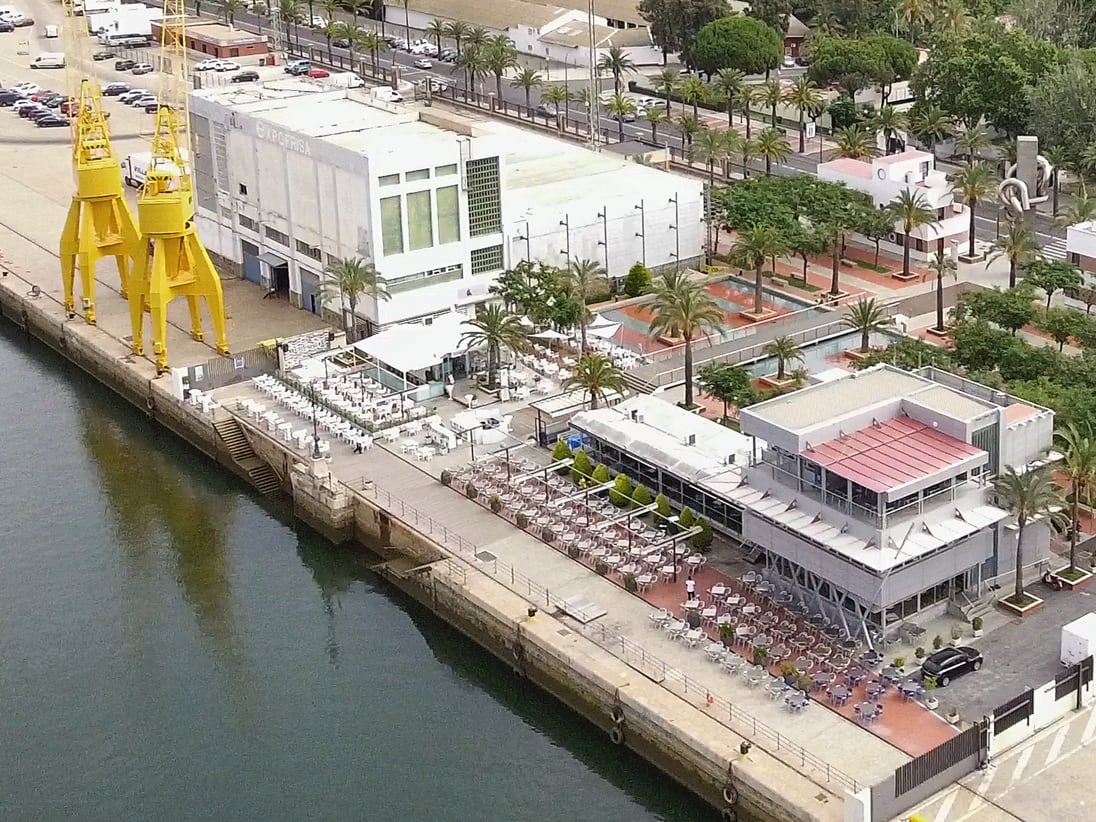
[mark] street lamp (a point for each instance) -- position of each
(315, 423)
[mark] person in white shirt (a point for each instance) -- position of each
(690, 588)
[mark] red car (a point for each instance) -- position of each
(317, 73)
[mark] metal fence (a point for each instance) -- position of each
(234, 368)
(734, 718)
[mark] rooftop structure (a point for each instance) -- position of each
(1081, 245)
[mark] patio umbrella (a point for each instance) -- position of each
(604, 332)
(598, 321)
(549, 334)
(525, 322)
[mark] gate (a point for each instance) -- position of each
(234, 368)
(1018, 709)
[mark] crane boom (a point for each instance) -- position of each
(179, 265)
(99, 221)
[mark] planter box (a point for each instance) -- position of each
(898, 275)
(773, 382)
(1073, 584)
(750, 316)
(1033, 605)
(978, 257)
(936, 332)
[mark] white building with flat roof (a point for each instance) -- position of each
(1081, 245)
(292, 174)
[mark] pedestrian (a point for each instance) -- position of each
(690, 588)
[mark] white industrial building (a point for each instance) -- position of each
(292, 174)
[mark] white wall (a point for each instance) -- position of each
(1081, 239)
(1025, 441)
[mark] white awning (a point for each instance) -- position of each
(604, 332)
(598, 322)
(416, 347)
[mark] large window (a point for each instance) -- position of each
(484, 199)
(420, 221)
(448, 215)
(391, 226)
(486, 259)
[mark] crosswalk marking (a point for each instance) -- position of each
(944, 811)
(1090, 727)
(1021, 765)
(1055, 249)
(1056, 745)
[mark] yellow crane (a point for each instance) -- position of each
(178, 265)
(99, 222)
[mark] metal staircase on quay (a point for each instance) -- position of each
(262, 476)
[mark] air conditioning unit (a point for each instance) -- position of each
(689, 439)
(729, 459)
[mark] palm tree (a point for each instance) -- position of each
(457, 31)
(596, 375)
(1082, 209)
(1027, 496)
(435, 29)
(655, 115)
(476, 37)
(689, 127)
(474, 65)
(890, 121)
(1018, 245)
(373, 43)
(497, 329)
(692, 90)
(331, 29)
(290, 13)
(772, 146)
(972, 141)
(355, 7)
(930, 124)
(770, 94)
(856, 143)
(582, 277)
(711, 147)
(952, 16)
(666, 83)
(784, 350)
(684, 308)
(974, 184)
(915, 14)
(728, 83)
(500, 57)
(617, 63)
(1079, 466)
(941, 265)
(868, 317)
(749, 252)
(744, 99)
(528, 79)
(803, 95)
(353, 37)
(350, 278)
(619, 107)
(748, 149)
(912, 210)
(556, 97)
(230, 8)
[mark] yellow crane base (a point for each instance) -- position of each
(179, 266)
(94, 229)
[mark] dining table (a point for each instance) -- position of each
(840, 693)
(892, 675)
(874, 690)
(867, 711)
(796, 701)
(823, 679)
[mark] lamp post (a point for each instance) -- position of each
(677, 232)
(642, 233)
(315, 424)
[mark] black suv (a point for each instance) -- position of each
(123, 65)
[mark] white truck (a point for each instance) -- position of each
(1079, 639)
(344, 79)
(386, 94)
(48, 59)
(135, 168)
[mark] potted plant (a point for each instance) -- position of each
(522, 520)
(789, 672)
(931, 702)
(601, 568)
(919, 653)
(630, 584)
(548, 535)
(805, 683)
(495, 503)
(953, 716)
(976, 626)
(471, 491)
(446, 477)
(937, 642)
(573, 552)
(726, 634)
(760, 656)
(956, 634)
(899, 662)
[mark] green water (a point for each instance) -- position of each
(171, 647)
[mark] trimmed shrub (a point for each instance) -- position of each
(446, 478)
(581, 467)
(663, 505)
(601, 568)
(561, 452)
(471, 491)
(630, 584)
(601, 473)
(638, 280)
(641, 496)
(703, 541)
(573, 552)
(687, 519)
(621, 492)
(548, 535)
(495, 503)
(522, 520)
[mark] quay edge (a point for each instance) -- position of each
(678, 738)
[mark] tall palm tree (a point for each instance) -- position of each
(689, 127)
(499, 57)
(941, 265)
(972, 141)
(772, 146)
(331, 29)
(352, 34)
(749, 252)
(890, 121)
(747, 148)
(684, 308)
(785, 350)
(915, 15)
(406, 22)
(617, 63)
(476, 37)
(654, 116)
(619, 107)
(868, 317)
(596, 375)
(770, 94)
(497, 329)
(930, 124)
(373, 43)
(974, 184)
(350, 278)
(435, 30)
(711, 148)
(666, 83)
(1079, 466)
(556, 97)
(952, 16)
(911, 210)
(744, 100)
(473, 63)
(1018, 245)
(583, 277)
(290, 12)
(457, 31)
(1027, 497)
(356, 8)
(728, 83)
(856, 143)
(692, 90)
(230, 8)
(527, 79)
(803, 95)
(1081, 210)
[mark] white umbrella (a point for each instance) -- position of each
(604, 332)
(549, 334)
(525, 322)
(598, 322)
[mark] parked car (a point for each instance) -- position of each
(53, 100)
(52, 121)
(227, 65)
(297, 67)
(99, 56)
(128, 97)
(950, 663)
(318, 73)
(123, 65)
(21, 21)
(18, 106)
(245, 77)
(207, 65)
(9, 97)
(114, 89)
(546, 110)
(144, 102)
(35, 116)
(29, 112)
(141, 68)
(423, 63)
(340, 42)
(26, 88)
(6, 27)
(154, 106)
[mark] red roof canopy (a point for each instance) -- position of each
(885, 456)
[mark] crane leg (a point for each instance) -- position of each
(195, 307)
(208, 285)
(159, 295)
(70, 244)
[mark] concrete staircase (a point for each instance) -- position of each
(638, 384)
(262, 476)
(965, 608)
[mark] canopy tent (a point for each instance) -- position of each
(549, 335)
(604, 332)
(598, 322)
(417, 347)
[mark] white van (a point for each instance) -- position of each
(52, 31)
(344, 79)
(135, 168)
(7, 12)
(49, 59)
(387, 94)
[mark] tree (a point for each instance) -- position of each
(749, 252)
(666, 83)
(867, 317)
(663, 509)
(351, 35)
(803, 95)
(971, 142)
(1079, 465)
(876, 224)
(498, 58)
(741, 43)
(941, 265)
(899, 60)
(807, 241)
(435, 30)
(1057, 105)
(744, 99)
(728, 84)
(527, 79)
(583, 276)
(655, 115)
(289, 12)
(638, 280)
(974, 184)
(1018, 245)
(641, 496)
(692, 90)
(1027, 496)
(582, 468)
(856, 143)
(356, 7)
(849, 64)
(617, 63)
(711, 148)
(1082, 209)
(373, 43)
(562, 452)
(596, 375)
(1011, 309)
(683, 308)
(674, 23)
(457, 31)
(729, 384)
(601, 474)
(916, 15)
(784, 350)
(911, 210)
(496, 329)
(770, 94)
(930, 124)
(556, 97)
(473, 62)
(350, 278)
(621, 492)
(1051, 276)
(230, 8)
(1061, 323)
(619, 107)
(890, 121)
(331, 29)
(772, 146)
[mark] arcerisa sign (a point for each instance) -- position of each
(290, 142)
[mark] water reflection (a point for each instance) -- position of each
(334, 572)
